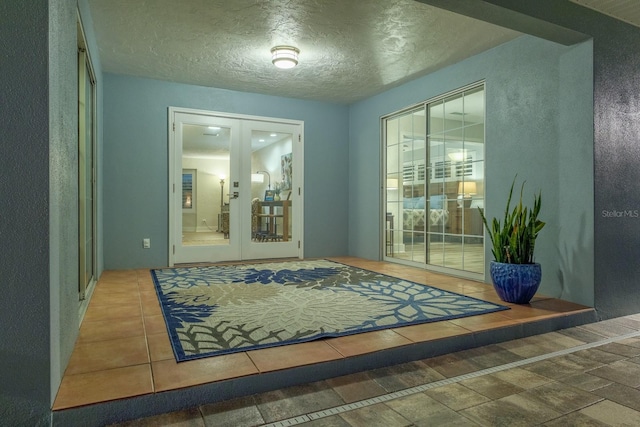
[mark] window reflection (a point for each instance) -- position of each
(271, 186)
(435, 183)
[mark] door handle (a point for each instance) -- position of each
(235, 195)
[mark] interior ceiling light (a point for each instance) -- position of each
(285, 56)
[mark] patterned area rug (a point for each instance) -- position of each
(225, 309)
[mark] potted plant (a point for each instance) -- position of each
(277, 189)
(515, 275)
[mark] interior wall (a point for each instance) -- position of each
(136, 164)
(207, 193)
(268, 159)
(523, 78)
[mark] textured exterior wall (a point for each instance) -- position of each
(63, 186)
(136, 164)
(38, 194)
(575, 236)
(24, 214)
(616, 152)
(617, 168)
(616, 106)
(523, 132)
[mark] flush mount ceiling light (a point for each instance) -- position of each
(285, 56)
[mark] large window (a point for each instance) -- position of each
(434, 169)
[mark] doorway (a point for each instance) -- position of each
(235, 190)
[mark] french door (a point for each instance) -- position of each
(235, 188)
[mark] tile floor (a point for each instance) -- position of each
(446, 254)
(203, 238)
(123, 351)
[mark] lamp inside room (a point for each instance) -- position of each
(262, 180)
(222, 177)
(466, 189)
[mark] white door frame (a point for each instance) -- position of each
(249, 249)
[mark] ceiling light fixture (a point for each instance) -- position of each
(285, 56)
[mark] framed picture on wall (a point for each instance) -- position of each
(287, 171)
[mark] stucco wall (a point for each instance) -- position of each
(616, 152)
(527, 132)
(24, 225)
(63, 186)
(38, 205)
(136, 164)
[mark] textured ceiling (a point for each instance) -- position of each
(350, 49)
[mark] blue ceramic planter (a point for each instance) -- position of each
(515, 283)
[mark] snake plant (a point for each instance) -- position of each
(513, 241)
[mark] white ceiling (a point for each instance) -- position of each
(350, 49)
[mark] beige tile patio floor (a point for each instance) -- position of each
(123, 349)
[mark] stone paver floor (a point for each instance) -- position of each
(583, 376)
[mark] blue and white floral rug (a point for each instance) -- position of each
(215, 310)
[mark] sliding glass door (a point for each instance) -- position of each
(434, 170)
(86, 169)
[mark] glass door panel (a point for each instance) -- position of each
(440, 159)
(393, 186)
(271, 155)
(238, 185)
(463, 152)
(206, 158)
(404, 185)
(86, 182)
(206, 227)
(272, 224)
